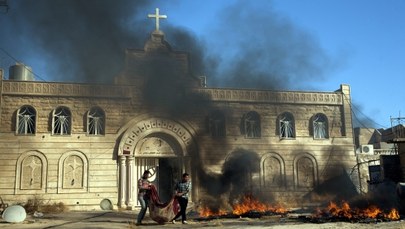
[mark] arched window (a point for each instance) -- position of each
(286, 125)
(61, 121)
(217, 124)
(320, 126)
(95, 121)
(26, 120)
(251, 125)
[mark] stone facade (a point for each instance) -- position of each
(282, 146)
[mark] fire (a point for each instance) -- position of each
(393, 214)
(247, 204)
(346, 212)
(251, 204)
(207, 212)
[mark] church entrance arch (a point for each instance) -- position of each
(160, 154)
(159, 145)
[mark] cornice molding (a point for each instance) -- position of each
(65, 89)
(325, 98)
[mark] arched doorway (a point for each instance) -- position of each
(160, 145)
(160, 154)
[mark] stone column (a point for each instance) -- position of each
(130, 182)
(122, 181)
(347, 111)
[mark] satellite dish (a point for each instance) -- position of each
(14, 214)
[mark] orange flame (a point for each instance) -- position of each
(206, 212)
(247, 204)
(372, 212)
(393, 214)
(251, 204)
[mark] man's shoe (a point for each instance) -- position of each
(173, 221)
(185, 222)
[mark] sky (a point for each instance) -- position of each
(309, 45)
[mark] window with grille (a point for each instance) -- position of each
(320, 126)
(26, 120)
(95, 121)
(217, 124)
(287, 126)
(251, 125)
(61, 121)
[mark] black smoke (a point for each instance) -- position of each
(84, 41)
(234, 181)
(256, 47)
(80, 41)
(247, 46)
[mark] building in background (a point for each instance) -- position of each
(379, 155)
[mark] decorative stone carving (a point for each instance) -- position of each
(272, 171)
(305, 173)
(31, 173)
(73, 172)
(156, 147)
(333, 98)
(65, 89)
(73, 176)
(272, 176)
(138, 131)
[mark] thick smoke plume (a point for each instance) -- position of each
(81, 41)
(84, 41)
(256, 47)
(234, 182)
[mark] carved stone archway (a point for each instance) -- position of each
(176, 141)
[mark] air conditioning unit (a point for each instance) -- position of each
(367, 149)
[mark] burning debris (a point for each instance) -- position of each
(343, 212)
(249, 206)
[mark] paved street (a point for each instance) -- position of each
(126, 219)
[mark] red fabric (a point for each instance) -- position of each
(162, 212)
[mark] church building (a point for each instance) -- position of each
(86, 145)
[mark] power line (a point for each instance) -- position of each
(364, 115)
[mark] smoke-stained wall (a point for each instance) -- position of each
(159, 82)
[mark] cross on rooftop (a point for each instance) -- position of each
(157, 17)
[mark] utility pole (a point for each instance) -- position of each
(395, 123)
(398, 120)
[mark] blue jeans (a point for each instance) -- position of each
(144, 201)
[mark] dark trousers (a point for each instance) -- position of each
(183, 206)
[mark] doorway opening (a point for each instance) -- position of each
(166, 172)
(169, 171)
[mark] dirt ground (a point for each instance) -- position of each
(126, 219)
